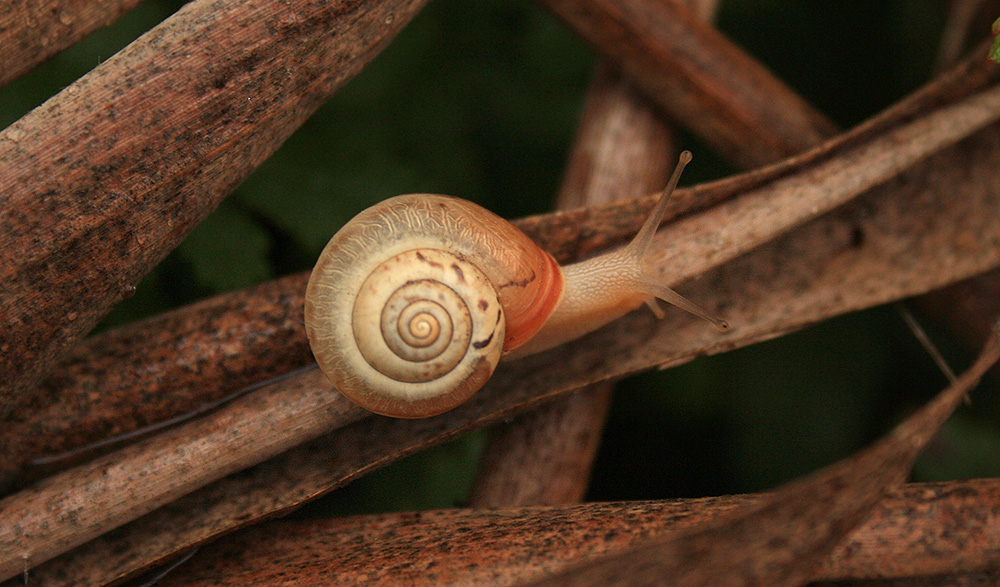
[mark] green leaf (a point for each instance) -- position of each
(995, 50)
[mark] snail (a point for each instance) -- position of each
(413, 302)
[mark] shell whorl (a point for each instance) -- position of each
(405, 310)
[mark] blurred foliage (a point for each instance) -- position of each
(995, 49)
(480, 100)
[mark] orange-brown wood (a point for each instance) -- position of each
(545, 457)
(72, 410)
(919, 529)
(101, 181)
(31, 32)
(765, 292)
(702, 79)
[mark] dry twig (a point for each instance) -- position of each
(101, 181)
(918, 529)
(765, 295)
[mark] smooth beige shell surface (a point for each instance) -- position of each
(400, 315)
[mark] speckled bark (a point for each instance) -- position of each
(783, 539)
(702, 79)
(920, 529)
(966, 309)
(155, 370)
(846, 239)
(117, 488)
(836, 264)
(567, 235)
(32, 31)
(101, 181)
(621, 152)
(596, 227)
(545, 457)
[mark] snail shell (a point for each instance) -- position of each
(413, 302)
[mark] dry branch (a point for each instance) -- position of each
(105, 178)
(919, 529)
(967, 20)
(620, 152)
(964, 265)
(836, 264)
(782, 539)
(545, 457)
(732, 228)
(964, 308)
(698, 243)
(701, 78)
(154, 370)
(72, 410)
(32, 32)
(84, 503)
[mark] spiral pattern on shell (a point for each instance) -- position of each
(413, 301)
(414, 323)
(419, 334)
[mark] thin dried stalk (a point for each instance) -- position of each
(73, 411)
(154, 370)
(966, 20)
(568, 235)
(622, 149)
(785, 537)
(837, 264)
(692, 246)
(620, 152)
(545, 457)
(84, 503)
(705, 81)
(105, 178)
(964, 308)
(982, 578)
(918, 529)
(32, 32)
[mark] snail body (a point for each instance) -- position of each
(413, 302)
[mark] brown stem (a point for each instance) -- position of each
(967, 20)
(702, 79)
(782, 539)
(154, 370)
(727, 98)
(918, 529)
(545, 457)
(32, 32)
(621, 152)
(568, 236)
(905, 237)
(166, 467)
(101, 181)
(965, 309)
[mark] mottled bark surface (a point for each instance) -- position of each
(919, 529)
(101, 181)
(545, 457)
(33, 31)
(763, 293)
(707, 84)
